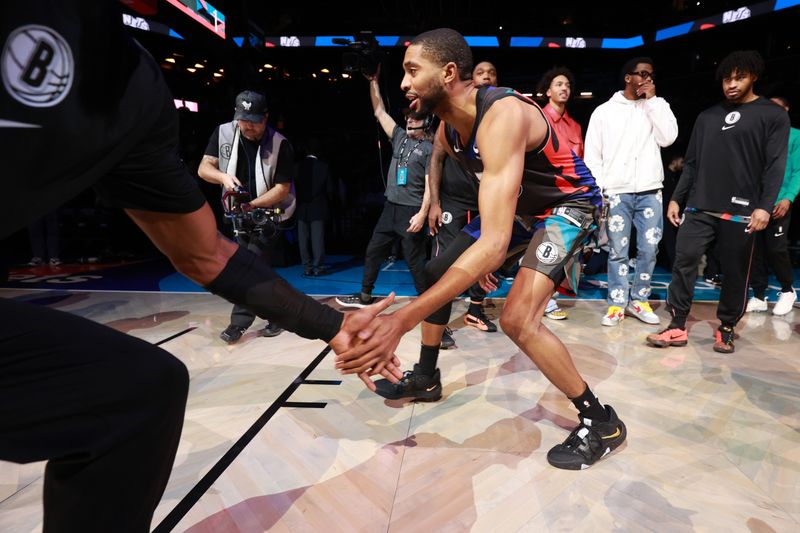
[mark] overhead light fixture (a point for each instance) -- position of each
(191, 69)
(325, 71)
(217, 75)
(345, 75)
(539, 95)
(586, 93)
(170, 60)
(267, 65)
(199, 65)
(261, 70)
(222, 70)
(313, 74)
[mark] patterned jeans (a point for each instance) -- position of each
(644, 211)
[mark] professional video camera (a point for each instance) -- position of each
(247, 219)
(362, 55)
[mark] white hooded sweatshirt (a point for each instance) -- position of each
(624, 141)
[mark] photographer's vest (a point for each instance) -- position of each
(265, 172)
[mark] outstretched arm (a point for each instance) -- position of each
(384, 119)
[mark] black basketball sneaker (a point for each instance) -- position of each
(414, 385)
(588, 443)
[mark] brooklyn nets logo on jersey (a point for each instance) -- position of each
(37, 66)
(547, 253)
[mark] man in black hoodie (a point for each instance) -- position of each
(731, 177)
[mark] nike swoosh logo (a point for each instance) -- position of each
(778, 234)
(431, 388)
(616, 434)
(728, 127)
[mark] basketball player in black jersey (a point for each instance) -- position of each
(532, 189)
(82, 105)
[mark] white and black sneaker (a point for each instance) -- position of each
(588, 443)
(354, 301)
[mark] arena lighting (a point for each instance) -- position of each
(586, 93)
(191, 69)
(199, 65)
(217, 75)
(325, 71)
(149, 25)
(204, 13)
(345, 75)
(186, 104)
(726, 17)
(267, 65)
(170, 60)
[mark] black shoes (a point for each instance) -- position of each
(232, 334)
(447, 339)
(354, 301)
(589, 442)
(413, 385)
(480, 321)
(270, 330)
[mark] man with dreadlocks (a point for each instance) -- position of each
(731, 177)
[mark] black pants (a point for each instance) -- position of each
(313, 233)
(103, 408)
(258, 244)
(391, 225)
(436, 268)
(43, 235)
(696, 235)
(447, 232)
(772, 248)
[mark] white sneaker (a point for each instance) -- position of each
(754, 305)
(642, 311)
(785, 302)
(614, 316)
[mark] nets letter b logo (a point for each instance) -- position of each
(37, 66)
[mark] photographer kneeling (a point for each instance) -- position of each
(261, 163)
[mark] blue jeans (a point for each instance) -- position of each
(625, 211)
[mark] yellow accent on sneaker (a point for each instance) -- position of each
(646, 306)
(613, 310)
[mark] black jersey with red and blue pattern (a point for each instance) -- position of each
(553, 174)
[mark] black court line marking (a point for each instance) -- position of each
(184, 332)
(307, 405)
(202, 486)
(322, 382)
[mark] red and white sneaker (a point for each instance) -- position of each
(642, 311)
(669, 337)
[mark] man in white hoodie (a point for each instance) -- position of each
(623, 151)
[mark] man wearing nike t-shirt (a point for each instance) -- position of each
(733, 171)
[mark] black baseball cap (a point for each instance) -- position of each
(251, 106)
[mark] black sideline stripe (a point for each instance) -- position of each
(307, 405)
(194, 495)
(184, 332)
